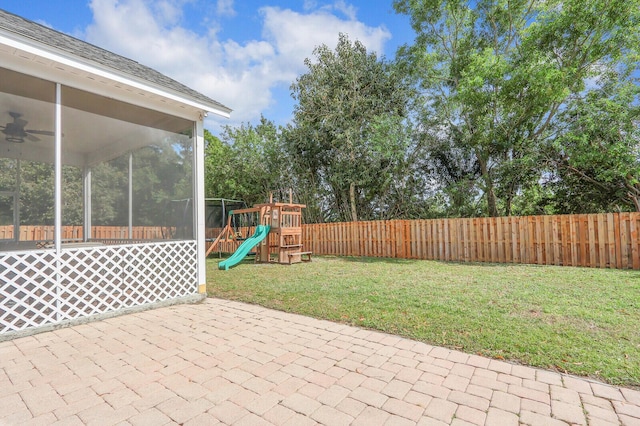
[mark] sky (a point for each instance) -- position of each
(244, 54)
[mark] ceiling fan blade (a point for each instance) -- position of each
(32, 138)
(17, 133)
(41, 132)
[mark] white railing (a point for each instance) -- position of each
(39, 288)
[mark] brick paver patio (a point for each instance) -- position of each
(223, 362)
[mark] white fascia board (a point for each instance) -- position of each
(109, 74)
(70, 77)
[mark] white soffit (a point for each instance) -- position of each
(45, 63)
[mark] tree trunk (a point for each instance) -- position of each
(636, 202)
(634, 192)
(508, 202)
(492, 203)
(352, 200)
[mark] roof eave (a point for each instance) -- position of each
(99, 70)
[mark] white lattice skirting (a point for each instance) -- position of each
(38, 288)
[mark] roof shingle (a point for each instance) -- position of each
(54, 39)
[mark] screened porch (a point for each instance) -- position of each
(96, 204)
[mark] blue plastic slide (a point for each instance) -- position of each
(245, 247)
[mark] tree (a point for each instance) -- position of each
(218, 176)
(109, 192)
(347, 136)
(597, 155)
(247, 163)
(497, 73)
(35, 186)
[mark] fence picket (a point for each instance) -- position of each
(624, 240)
(601, 239)
(616, 260)
(633, 230)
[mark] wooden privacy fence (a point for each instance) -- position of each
(40, 233)
(115, 234)
(122, 232)
(46, 233)
(592, 240)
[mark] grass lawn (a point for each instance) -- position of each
(575, 320)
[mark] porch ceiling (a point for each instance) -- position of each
(32, 49)
(85, 142)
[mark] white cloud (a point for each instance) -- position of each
(348, 9)
(242, 75)
(295, 35)
(309, 4)
(225, 8)
(168, 12)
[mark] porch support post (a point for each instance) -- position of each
(57, 225)
(130, 195)
(86, 231)
(198, 203)
(16, 202)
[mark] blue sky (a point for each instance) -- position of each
(243, 53)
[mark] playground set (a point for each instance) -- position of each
(276, 238)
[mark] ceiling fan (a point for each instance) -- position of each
(16, 132)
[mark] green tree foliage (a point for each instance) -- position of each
(247, 163)
(36, 193)
(597, 155)
(72, 196)
(347, 138)
(35, 189)
(496, 74)
(162, 181)
(219, 178)
(110, 200)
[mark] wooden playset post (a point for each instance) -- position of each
(264, 254)
(285, 234)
